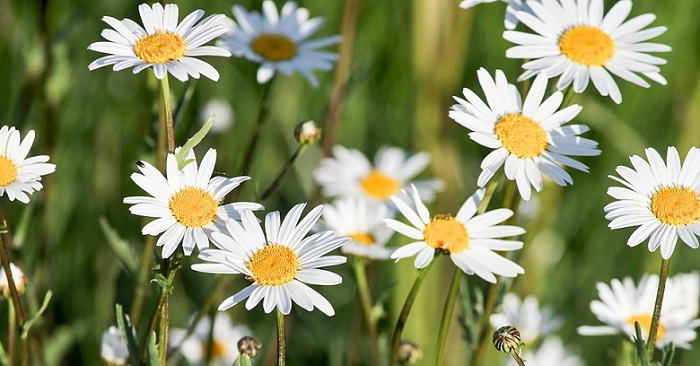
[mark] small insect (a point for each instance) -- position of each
(140, 164)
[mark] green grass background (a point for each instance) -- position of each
(409, 59)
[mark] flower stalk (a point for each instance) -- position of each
(654, 327)
(358, 265)
(281, 345)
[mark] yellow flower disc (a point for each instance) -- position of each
(274, 47)
(8, 171)
(644, 321)
(160, 48)
(363, 238)
(521, 136)
(587, 45)
(193, 207)
(675, 205)
(217, 349)
(274, 265)
(445, 232)
(380, 186)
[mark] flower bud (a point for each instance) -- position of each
(506, 339)
(249, 346)
(17, 275)
(409, 353)
(307, 132)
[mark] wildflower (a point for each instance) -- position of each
(19, 175)
(529, 138)
(663, 199)
(280, 41)
(307, 132)
(469, 240)
(224, 340)
(280, 262)
(350, 174)
(576, 41)
(186, 203)
(526, 315)
(514, 6)
(113, 349)
(162, 43)
(507, 339)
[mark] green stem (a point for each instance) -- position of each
(159, 316)
(275, 183)
(257, 130)
(447, 316)
(568, 96)
(14, 294)
(358, 264)
(11, 332)
(517, 358)
(141, 287)
(168, 106)
(401, 322)
(653, 329)
(281, 346)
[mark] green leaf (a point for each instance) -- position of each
(181, 156)
(245, 360)
(28, 324)
(153, 357)
(669, 351)
(642, 357)
(119, 246)
(128, 334)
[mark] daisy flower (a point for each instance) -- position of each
(622, 304)
(362, 221)
(162, 43)
(576, 41)
(526, 315)
(224, 340)
(280, 262)
(663, 199)
(113, 349)
(529, 138)
(514, 6)
(469, 240)
(350, 174)
(280, 41)
(186, 203)
(551, 352)
(19, 175)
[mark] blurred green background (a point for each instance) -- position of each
(408, 59)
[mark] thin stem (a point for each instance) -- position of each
(159, 316)
(14, 294)
(278, 179)
(257, 130)
(401, 322)
(447, 316)
(568, 96)
(140, 295)
(168, 106)
(517, 358)
(11, 332)
(281, 346)
(653, 329)
(358, 265)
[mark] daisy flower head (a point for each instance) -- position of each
(186, 203)
(348, 173)
(514, 6)
(113, 349)
(575, 40)
(162, 43)
(622, 303)
(19, 175)
(224, 340)
(469, 240)
(662, 198)
(551, 352)
(279, 41)
(532, 321)
(530, 138)
(362, 221)
(280, 262)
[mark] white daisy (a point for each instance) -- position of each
(576, 41)
(528, 137)
(19, 175)
(280, 262)
(162, 43)
(470, 240)
(532, 322)
(224, 340)
(279, 41)
(622, 304)
(186, 204)
(551, 352)
(350, 174)
(113, 349)
(663, 199)
(514, 6)
(362, 221)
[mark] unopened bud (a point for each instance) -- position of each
(307, 132)
(18, 276)
(249, 346)
(409, 353)
(507, 339)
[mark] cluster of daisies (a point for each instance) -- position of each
(530, 134)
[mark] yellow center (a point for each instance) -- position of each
(274, 47)
(644, 321)
(521, 136)
(587, 45)
(8, 171)
(216, 348)
(193, 207)
(160, 48)
(445, 232)
(274, 265)
(380, 186)
(675, 205)
(363, 238)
